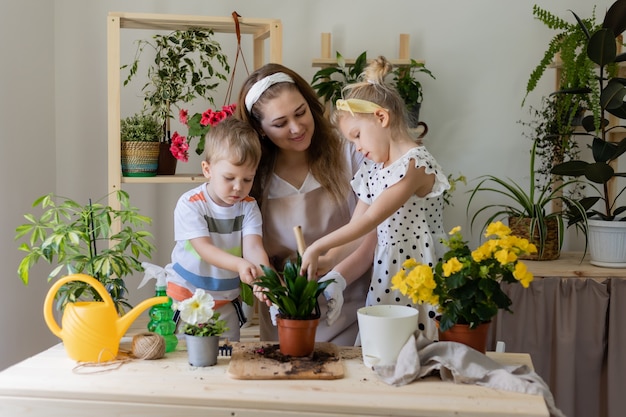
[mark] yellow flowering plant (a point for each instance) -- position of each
(465, 284)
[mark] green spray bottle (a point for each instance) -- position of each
(161, 315)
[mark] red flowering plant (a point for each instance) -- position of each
(199, 124)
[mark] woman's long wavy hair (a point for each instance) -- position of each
(325, 155)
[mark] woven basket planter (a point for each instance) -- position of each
(140, 159)
(520, 226)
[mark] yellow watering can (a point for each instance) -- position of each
(92, 330)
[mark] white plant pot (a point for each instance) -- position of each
(607, 243)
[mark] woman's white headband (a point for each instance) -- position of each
(259, 87)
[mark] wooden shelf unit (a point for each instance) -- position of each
(262, 31)
(326, 60)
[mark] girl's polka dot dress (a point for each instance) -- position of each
(407, 233)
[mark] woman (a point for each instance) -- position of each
(304, 179)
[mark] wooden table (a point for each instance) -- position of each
(48, 385)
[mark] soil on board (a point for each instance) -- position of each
(264, 360)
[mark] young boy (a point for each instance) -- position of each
(217, 226)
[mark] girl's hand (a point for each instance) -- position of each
(309, 262)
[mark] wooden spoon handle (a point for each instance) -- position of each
(297, 230)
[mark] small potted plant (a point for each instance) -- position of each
(140, 135)
(529, 210)
(465, 284)
(202, 328)
(78, 238)
(410, 88)
(328, 82)
(298, 311)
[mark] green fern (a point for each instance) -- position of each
(578, 72)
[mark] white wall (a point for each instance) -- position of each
(54, 103)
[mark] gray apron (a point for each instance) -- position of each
(318, 215)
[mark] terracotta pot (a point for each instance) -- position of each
(296, 337)
(167, 162)
(461, 333)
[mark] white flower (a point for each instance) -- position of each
(197, 309)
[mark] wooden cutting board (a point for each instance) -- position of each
(263, 360)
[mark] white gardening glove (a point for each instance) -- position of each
(273, 313)
(334, 295)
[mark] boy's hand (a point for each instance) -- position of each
(247, 271)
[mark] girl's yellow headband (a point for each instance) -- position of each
(356, 105)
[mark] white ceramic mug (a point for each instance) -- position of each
(384, 330)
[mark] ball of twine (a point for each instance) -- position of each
(148, 346)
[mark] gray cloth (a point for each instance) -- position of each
(461, 364)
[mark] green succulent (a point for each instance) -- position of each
(293, 294)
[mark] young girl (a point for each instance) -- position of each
(218, 227)
(396, 189)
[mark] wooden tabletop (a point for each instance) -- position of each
(572, 265)
(52, 385)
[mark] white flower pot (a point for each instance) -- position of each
(607, 243)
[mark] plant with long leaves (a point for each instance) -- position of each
(81, 239)
(294, 295)
(532, 202)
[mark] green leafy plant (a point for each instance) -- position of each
(533, 201)
(601, 49)
(569, 43)
(465, 285)
(199, 315)
(551, 128)
(186, 65)
(328, 82)
(140, 127)
(406, 82)
(293, 294)
(79, 239)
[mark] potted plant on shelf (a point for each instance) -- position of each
(295, 297)
(188, 64)
(530, 210)
(465, 284)
(410, 89)
(607, 225)
(79, 239)
(202, 328)
(140, 135)
(328, 82)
